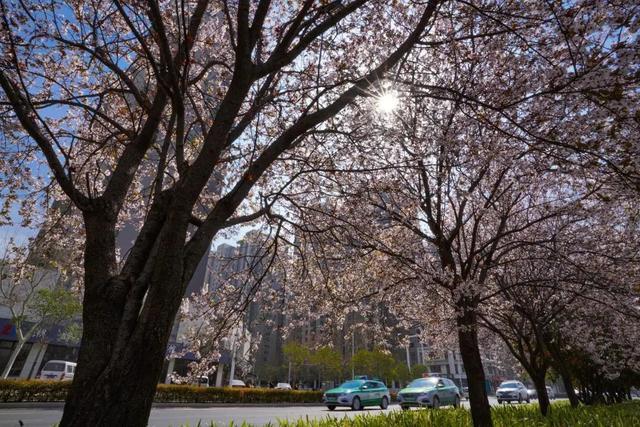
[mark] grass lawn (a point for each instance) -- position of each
(621, 415)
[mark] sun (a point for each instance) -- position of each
(387, 102)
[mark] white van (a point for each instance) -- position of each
(58, 370)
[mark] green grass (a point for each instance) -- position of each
(562, 415)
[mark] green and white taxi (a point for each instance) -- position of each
(357, 394)
(431, 392)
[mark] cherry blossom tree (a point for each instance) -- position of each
(167, 115)
(496, 135)
(186, 119)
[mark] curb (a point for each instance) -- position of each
(60, 405)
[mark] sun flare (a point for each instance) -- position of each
(387, 102)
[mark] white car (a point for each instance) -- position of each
(237, 383)
(283, 386)
(58, 370)
(512, 391)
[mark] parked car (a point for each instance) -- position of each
(551, 393)
(465, 393)
(238, 383)
(202, 381)
(283, 386)
(357, 394)
(430, 392)
(58, 370)
(512, 391)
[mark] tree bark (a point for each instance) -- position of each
(123, 392)
(123, 359)
(568, 386)
(102, 311)
(559, 365)
(541, 389)
(470, 351)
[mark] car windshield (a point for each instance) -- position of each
(509, 385)
(352, 384)
(424, 382)
(54, 366)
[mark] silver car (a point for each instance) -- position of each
(512, 391)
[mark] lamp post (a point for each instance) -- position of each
(353, 351)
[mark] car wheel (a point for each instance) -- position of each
(519, 398)
(436, 402)
(405, 408)
(500, 402)
(456, 402)
(385, 402)
(528, 399)
(356, 405)
(331, 407)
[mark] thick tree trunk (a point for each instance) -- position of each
(541, 389)
(470, 351)
(116, 378)
(101, 315)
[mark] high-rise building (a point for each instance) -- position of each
(241, 265)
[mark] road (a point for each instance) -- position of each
(175, 417)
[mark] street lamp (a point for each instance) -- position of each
(353, 351)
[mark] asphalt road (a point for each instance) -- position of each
(175, 417)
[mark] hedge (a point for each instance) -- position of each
(55, 391)
(192, 394)
(33, 390)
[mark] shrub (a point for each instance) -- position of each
(56, 391)
(33, 390)
(193, 394)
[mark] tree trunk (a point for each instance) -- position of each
(559, 365)
(568, 386)
(12, 358)
(541, 389)
(121, 359)
(123, 393)
(470, 351)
